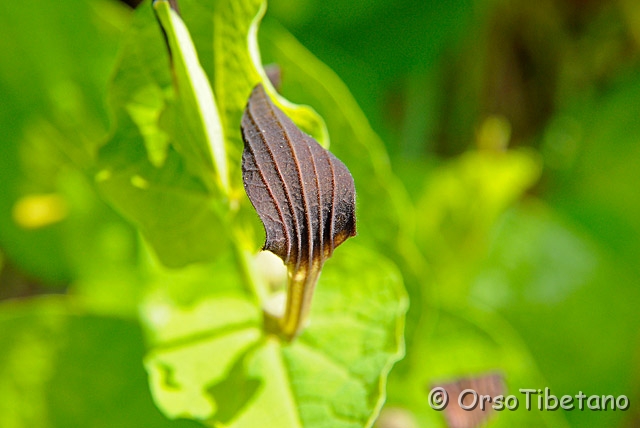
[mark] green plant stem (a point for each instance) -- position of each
(300, 288)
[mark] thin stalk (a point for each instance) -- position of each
(299, 296)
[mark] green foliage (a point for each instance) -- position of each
(121, 190)
(164, 169)
(68, 368)
(201, 352)
(157, 168)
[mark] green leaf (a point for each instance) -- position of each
(196, 102)
(172, 209)
(237, 68)
(62, 368)
(152, 169)
(224, 34)
(332, 375)
(207, 342)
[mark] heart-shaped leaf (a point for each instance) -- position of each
(213, 360)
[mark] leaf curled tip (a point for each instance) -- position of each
(303, 194)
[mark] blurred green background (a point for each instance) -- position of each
(560, 262)
(513, 125)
